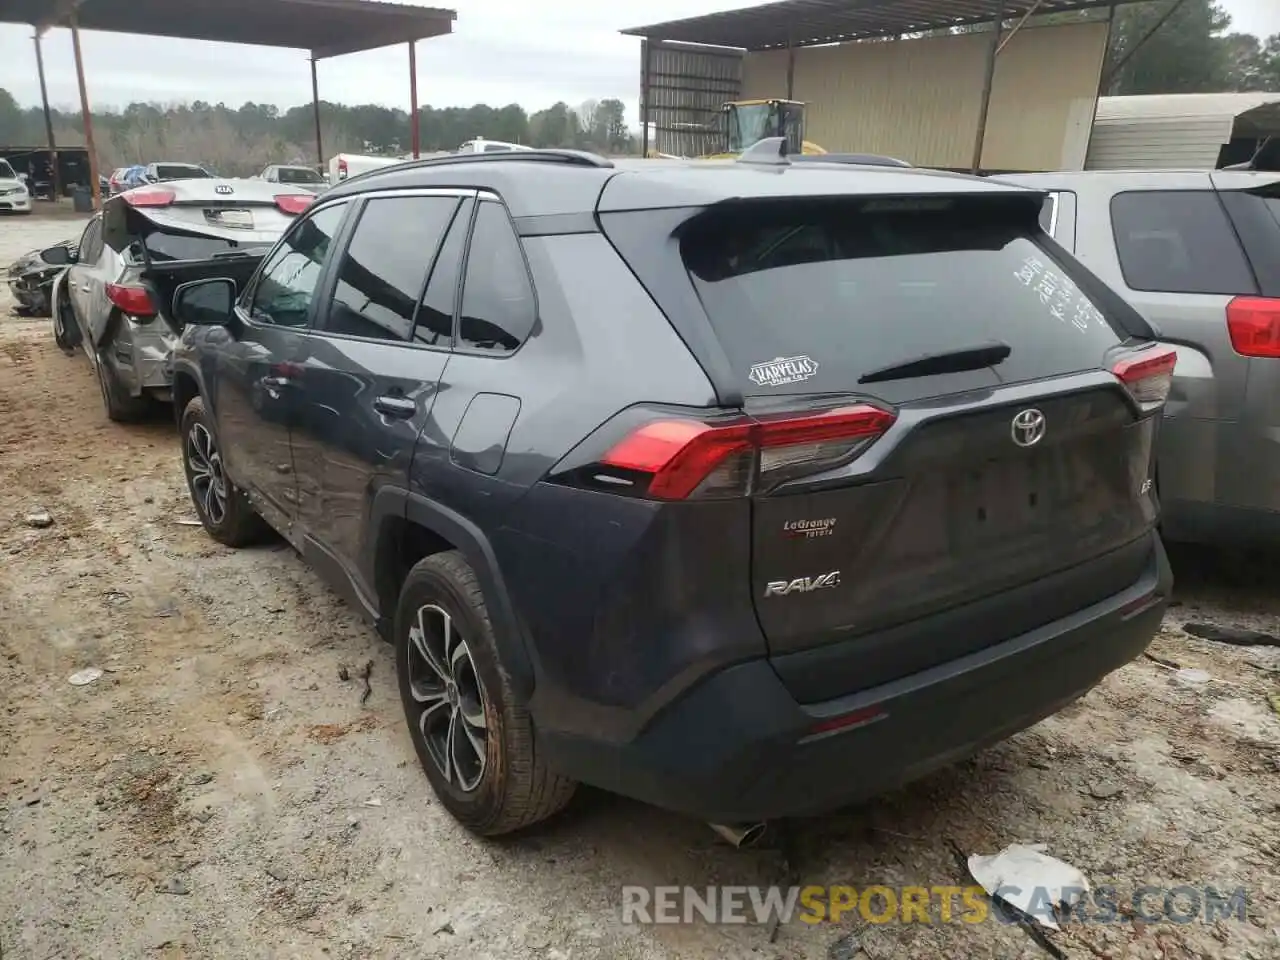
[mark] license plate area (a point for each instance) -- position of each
(1002, 499)
(233, 218)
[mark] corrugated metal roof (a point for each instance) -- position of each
(1179, 106)
(328, 28)
(808, 22)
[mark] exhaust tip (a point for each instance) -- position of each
(740, 834)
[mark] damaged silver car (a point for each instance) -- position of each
(113, 301)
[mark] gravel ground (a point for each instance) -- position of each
(220, 792)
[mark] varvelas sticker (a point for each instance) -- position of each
(782, 370)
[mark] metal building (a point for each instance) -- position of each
(1198, 131)
(888, 77)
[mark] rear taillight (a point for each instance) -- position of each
(1148, 376)
(294, 203)
(149, 197)
(1254, 325)
(342, 169)
(677, 458)
(132, 300)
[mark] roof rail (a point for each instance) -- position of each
(578, 158)
(771, 151)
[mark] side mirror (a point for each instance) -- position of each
(58, 256)
(205, 303)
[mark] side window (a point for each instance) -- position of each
(435, 313)
(384, 267)
(288, 280)
(1049, 213)
(496, 148)
(90, 248)
(1178, 242)
(498, 308)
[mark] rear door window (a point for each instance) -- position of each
(808, 298)
(498, 307)
(382, 272)
(1178, 241)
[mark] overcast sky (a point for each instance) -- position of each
(531, 52)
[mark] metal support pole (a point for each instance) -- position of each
(87, 118)
(644, 97)
(1018, 26)
(988, 81)
(48, 121)
(791, 70)
(315, 108)
(413, 98)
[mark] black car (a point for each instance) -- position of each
(746, 489)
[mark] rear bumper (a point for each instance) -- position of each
(738, 747)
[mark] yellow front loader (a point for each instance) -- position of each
(744, 123)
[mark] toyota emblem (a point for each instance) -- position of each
(1028, 428)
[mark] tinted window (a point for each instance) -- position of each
(184, 246)
(495, 148)
(175, 171)
(6, 171)
(435, 314)
(297, 175)
(382, 272)
(91, 242)
(1178, 242)
(498, 308)
(288, 280)
(809, 298)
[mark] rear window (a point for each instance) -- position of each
(163, 247)
(296, 175)
(1178, 241)
(808, 299)
(173, 171)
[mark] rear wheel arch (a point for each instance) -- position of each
(405, 527)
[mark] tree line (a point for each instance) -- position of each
(1194, 51)
(241, 141)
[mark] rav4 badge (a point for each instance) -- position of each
(781, 588)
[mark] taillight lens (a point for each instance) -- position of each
(132, 300)
(681, 458)
(1148, 376)
(1254, 325)
(294, 203)
(149, 197)
(342, 169)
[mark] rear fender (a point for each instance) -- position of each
(392, 504)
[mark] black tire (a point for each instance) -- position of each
(121, 406)
(66, 332)
(230, 519)
(513, 787)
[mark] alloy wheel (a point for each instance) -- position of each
(208, 482)
(446, 687)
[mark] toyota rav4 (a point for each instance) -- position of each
(744, 488)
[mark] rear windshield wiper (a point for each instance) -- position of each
(953, 361)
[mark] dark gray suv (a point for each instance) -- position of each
(746, 489)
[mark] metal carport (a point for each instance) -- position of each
(793, 24)
(327, 28)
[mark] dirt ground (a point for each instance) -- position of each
(219, 792)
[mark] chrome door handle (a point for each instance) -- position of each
(392, 405)
(276, 382)
(85, 287)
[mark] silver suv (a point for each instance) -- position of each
(1198, 254)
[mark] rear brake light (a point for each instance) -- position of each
(132, 300)
(1254, 325)
(1148, 376)
(675, 459)
(149, 197)
(342, 169)
(294, 203)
